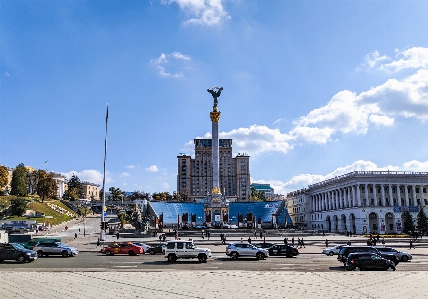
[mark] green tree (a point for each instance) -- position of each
(4, 177)
(123, 217)
(74, 188)
(422, 220)
(19, 181)
(116, 194)
(46, 185)
(138, 195)
(18, 206)
(408, 225)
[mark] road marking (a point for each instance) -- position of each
(125, 266)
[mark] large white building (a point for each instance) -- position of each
(360, 201)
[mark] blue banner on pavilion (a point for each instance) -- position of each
(411, 209)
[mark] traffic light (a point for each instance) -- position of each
(103, 225)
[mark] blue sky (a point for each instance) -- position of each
(312, 89)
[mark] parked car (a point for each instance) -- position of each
(17, 252)
(55, 248)
(179, 249)
(235, 250)
(122, 248)
(401, 255)
(264, 245)
(30, 244)
(332, 251)
(144, 245)
(346, 250)
(282, 249)
(155, 249)
(367, 261)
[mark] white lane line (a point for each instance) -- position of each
(125, 266)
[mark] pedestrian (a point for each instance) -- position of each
(117, 236)
(164, 237)
(326, 243)
(224, 238)
(261, 235)
(348, 243)
(242, 239)
(383, 241)
(285, 241)
(292, 241)
(75, 235)
(98, 242)
(208, 234)
(411, 244)
(249, 240)
(302, 243)
(221, 237)
(203, 237)
(79, 231)
(323, 233)
(298, 243)
(255, 234)
(37, 231)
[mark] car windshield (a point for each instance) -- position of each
(61, 244)
(17, 246)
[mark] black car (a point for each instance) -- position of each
(17, 252)
(346, 250)
(264, 245)
(155, 249)
(282, 249)
(367, 261)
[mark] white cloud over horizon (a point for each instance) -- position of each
(90, 175)
(304, 180)
(173, 60)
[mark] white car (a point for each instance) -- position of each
(238, 249)
(180, 249)
(332, 251)
(403, 256)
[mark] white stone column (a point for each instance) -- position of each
(414, 202)
(366, 191)
(323, 202)
(391, 199)
(375, 195)
(422, 195)
(406, 195)
(354, 197)
(382, 192)
(348, 204)
(358, 196)
(398, 195)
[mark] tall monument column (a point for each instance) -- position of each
(215, 118)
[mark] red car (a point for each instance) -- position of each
(123, 248)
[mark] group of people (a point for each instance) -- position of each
(223, 238)
(300, 242)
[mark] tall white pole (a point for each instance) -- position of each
(103, 232)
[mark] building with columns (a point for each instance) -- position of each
(360, 201)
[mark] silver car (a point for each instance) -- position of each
(401, 255)
(243, 249)
(55, 248)
(332, 251)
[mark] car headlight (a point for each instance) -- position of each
(28, 253)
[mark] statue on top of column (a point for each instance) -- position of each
(215, 92)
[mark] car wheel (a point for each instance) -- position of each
(390, 268)
(108, 252)
(404, 258)
(20, 259)
(260, 255)
(39, 253)
(202, 258)
(331, 253)
(64, 253)
(130, 252)
(172, 258)
(152, 252)
(234, 255)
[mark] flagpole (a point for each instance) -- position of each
(103, 213)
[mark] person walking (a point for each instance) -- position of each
(302, 243)
(75, 235)
(255, 234)
(326, 243)
(208, 235)
(298, 243)
(98, 242)
(292, 241)
(285, 241)
(261, 235)
(411, 244)
(117, 236)
(249, 240)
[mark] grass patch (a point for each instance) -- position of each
(57, 217)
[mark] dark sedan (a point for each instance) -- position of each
(155, 249)
(367, 261)
(264, 245)
(282, 249)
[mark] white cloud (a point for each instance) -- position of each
(173, 60)
(414, 58)
(124, 174)
(304, 180)
(277, 121)
(130, 166)
(6, 74)
(204, 12)
(372, 59)
(152, 168)
(165, 185)
(92, 176)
